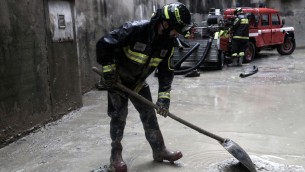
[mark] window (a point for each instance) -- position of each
(256, 20)
(265, 20)
(61, 21)
(275, 19)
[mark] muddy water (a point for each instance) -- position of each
(263, 113)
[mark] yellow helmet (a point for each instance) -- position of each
(238, 11)
(178, 17)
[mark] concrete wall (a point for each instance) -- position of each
(94, 18)
(63, 62)
(24, 87)
(39, 77)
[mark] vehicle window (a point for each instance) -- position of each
(275, 19)
(265, 20)
(256, 20)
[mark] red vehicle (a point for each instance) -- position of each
(266, 31)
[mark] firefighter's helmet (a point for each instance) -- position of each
(238, 11)
(178, 17)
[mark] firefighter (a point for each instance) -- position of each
(240, 37)
(129, 54)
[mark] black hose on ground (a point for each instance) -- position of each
(178, 64)
(204, 55)
(253, 71)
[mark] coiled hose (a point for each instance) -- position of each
(178, 64)
(204, 55)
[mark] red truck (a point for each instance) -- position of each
(266, 31)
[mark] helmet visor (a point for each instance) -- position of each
(182, 29)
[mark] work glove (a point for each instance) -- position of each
(109, 76)
(163, 106)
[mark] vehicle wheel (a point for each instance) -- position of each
(287, 47)
(221, 60)
(250, 53)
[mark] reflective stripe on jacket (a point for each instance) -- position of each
(137, 51)
(241, 27)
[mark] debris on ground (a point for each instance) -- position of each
(246, 74)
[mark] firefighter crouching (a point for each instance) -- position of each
(240, 37)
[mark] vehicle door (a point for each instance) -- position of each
(265, 28)
(277, 35)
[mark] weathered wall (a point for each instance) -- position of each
(202, 7)
(39, 77)
(93, 19)
(63, 62)
(24, 87)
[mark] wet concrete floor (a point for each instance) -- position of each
(263, 113)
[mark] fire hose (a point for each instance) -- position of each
(203, 57)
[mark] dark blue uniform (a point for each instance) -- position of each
(240, 39)
(135, 51)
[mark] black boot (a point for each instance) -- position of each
(165, 154)
(117, 163)
(160, 152)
